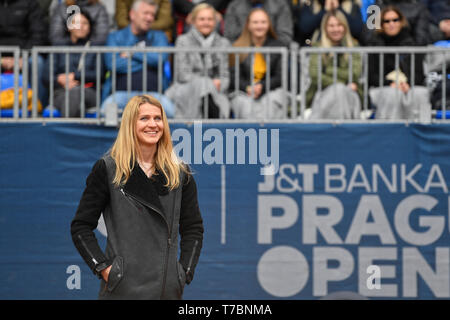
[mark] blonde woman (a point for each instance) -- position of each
(201, 78)
(147, 197)
(340, 99)
(252, 100)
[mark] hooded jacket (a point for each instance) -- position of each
(98, 14)
(143, 219)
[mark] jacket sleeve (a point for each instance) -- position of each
(224, 69)
(232, 27)
(37, 28)
(283, 25)
(122, 10)
(57, 23)
(183, 64)
(101, 27)
(164, 18)
(159, 39)
(93, 201)
(191, 228)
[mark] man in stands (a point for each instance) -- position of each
(137, 34)
(140, 35)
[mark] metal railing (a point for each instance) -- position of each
(302, 56)
(294, 69)
(16, 69)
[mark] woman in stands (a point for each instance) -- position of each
(309, 16)
(201, 78)
(397, 97)
(96, 10)
(147, 197)
(340, 100)
(252, 100)
(76, 36)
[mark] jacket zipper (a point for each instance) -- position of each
(188, 270)
(169, 240)
(87, 249)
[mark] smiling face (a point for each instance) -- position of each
(391, 23)
(205, 21)
(149, 125)
(142, 17)
(258, 24)
(82, 29)
(335, 30)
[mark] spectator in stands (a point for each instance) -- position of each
(201, 79)
(279, 12)
(183, 8)
(340, 100)
(137, 34)
(163, 19)
(97, 12)
(311, 14)
(75, 36)
(417, 16)
(439, 17)
(396, 99)
(253, 101)
(21, 25)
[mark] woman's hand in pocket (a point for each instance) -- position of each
(105, 273)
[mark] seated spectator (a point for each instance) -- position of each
(279, 12)
(201, 77)
(439, 17)
(97, 12)
(21, 25)
(137, 34)
(183, 8)
(340, 100)
(417, 16)
(252, 100)
(75, 37)
(311, 14)
(163, 19)
(396, 99)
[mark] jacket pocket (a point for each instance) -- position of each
(115, 274)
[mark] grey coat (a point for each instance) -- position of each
(143, 220)
(193, 77)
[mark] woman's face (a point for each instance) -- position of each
(391, 23)
(258, 24)
(149, 125)
(205, 21)
(335, 30)
(80, 27)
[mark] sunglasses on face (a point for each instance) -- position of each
(391, 20)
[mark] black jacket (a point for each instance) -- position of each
(245, 70)
(404, 38)
(21, 24)
(416, 14)
(143, 219)
(59, 65)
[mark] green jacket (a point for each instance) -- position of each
(327, 72)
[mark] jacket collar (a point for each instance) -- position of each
(147, 190)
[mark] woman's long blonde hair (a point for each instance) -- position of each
(325, 42)
(125, 150)
(245, 38)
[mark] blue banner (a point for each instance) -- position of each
(291, 211)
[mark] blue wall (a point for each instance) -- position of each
(344, 197)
